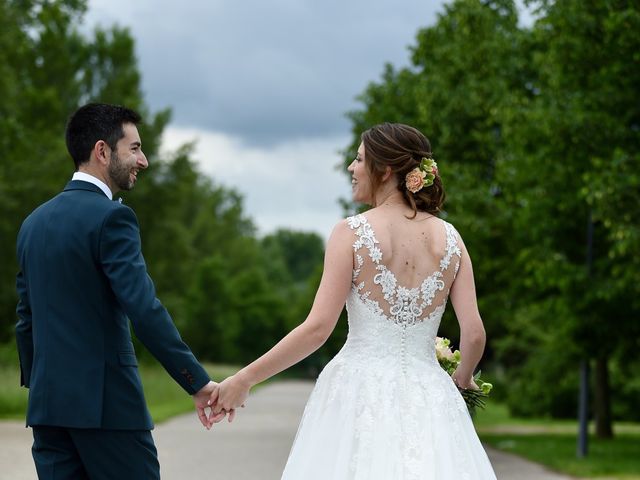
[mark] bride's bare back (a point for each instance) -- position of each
(407, 265)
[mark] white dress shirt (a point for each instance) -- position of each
(85, 177)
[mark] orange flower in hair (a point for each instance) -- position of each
(421, 176)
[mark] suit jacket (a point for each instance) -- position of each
(82, 280)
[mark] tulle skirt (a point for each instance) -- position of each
(380, 422)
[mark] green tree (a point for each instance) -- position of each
(301, 252)
(234, 311)
(48, 69)
(184, 217)
(581, 123)
(300, 306)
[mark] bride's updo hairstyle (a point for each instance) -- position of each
(402, 148)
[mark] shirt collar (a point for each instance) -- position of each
(85, 177)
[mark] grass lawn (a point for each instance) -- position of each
(553, 443)
(164, 397)
(618, 458)
(13, 398)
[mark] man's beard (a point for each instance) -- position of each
(119, 173)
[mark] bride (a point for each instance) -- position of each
(383, 408)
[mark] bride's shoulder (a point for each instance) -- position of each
(346, 230)
(447, 225)
(450, 228)
(341, 238)
(454, 239)
(343, 229)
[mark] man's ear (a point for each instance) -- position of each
(387, 174)
(102, 152)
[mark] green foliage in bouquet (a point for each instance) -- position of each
(449, 361)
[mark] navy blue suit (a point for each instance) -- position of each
(82, 281)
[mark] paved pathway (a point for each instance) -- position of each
(254, 447)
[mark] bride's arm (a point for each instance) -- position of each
(472, 334)
(307, 337)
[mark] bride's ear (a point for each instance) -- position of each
(387, 174)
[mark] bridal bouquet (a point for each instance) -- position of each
(449, 361)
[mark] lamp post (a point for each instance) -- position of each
(583, 411)
(583, 398)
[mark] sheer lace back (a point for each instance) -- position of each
(392, 295)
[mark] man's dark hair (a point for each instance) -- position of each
(94, 122)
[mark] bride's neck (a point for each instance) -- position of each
(389, 199)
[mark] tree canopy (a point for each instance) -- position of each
(228, 290)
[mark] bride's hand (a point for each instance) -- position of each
(469, 384)
(230, 394)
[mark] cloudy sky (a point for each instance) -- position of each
(263, 86)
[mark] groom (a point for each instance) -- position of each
(82, 279)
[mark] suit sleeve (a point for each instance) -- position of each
(24, 336)
(122, 262)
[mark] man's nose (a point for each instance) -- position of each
(142, 160)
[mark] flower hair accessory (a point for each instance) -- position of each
(421, 176)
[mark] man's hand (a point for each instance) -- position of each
(201, 399)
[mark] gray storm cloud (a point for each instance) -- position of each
(266, 72)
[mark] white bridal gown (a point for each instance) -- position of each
(383, 408)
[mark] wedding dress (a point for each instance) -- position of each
(383, 408)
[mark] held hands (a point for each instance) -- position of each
(229, 395)
(201, 401)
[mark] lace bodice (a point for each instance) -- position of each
(383, 408)
(388, 365)
(387, 316)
